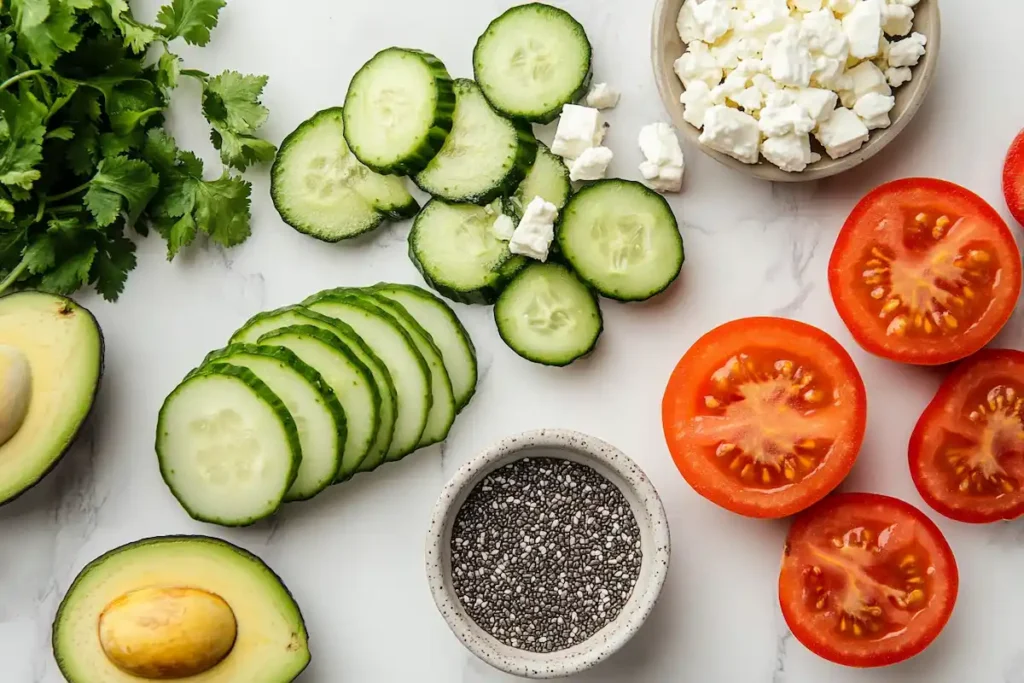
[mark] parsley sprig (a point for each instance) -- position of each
(84, 158)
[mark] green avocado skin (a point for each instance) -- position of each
(101, 361)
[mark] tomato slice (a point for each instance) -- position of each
(967, 451)
(924, 272)
(765, 416)
(1013, 178)
(866, 580)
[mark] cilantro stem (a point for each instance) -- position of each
(20, 77)
(13, 276)
(70, 193)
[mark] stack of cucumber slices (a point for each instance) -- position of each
(470, 145)
(309, 395)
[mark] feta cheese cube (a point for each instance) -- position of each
(663, 168)
(713, 19)
(842, 134)
(761, 17)
(787, 56)
(829, 72)
(503, 228)
(686, 23)
(907, 52)
(536, 230)
(733, 84)
(897, 76)
(864, 78)
(817, 102)
(842, 6)
(873, 109)
(783, 116)
(736, 48)
(751, 99)
(602, 96)
(579, 128)
(897, 20)
(824, 34)
(863, 28)
(698, 64)
(732, 132)
(791, 153)
(696, 101)
(764, 83)
(591, 165)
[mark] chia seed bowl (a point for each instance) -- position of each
(560, 486)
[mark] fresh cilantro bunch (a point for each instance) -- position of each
(84, 156)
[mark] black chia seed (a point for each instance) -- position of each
(545, 553)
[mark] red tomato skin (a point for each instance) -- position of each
(1013, 178)
(844, 300)
(808, 638)
(931, 414)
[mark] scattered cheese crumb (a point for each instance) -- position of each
(664, 165)
(591, 165)
(503, 227)
(907, 52)
(844, 133)
(579, 128)
(603, 96)
(536, 230)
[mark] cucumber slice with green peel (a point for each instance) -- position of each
(458, 254)
(312, 404)
(446, 330)
(548, 178)
(320, 188)
(548, 315)
(262, 323)
(227, 446)
(442, 406)
(347, 376)
(399, 110)
(622, 239)
(531, 61)
(484, 157)
(392, 344)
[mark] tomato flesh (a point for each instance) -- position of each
(866, 580)
(967, 451)
(765, 416)
(924, 272)
(1013, 178)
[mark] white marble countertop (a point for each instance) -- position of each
(354, 556)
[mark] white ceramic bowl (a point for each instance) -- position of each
(655, 546)
(666, 47)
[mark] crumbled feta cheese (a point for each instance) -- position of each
(787, 55)
(698, 64)
(873, 109)
(751, 99)
(602, 96)
(696, 101)
(844, 133)
(841, 6)
(764, 83)
(736, 48)
(732, 132)
(897, 20)
(907, 52)
(864, 78)
(536, 230)
(579, 128)
(783, 116)
(764, 16)
(733, 84)
(817, 102)
(686, 23)
(713, 19)
(663, 168)
(808, 5)
(791, 153)
(503, 227)
(897, 76)
(824, 34)
(828, 72)
(863, 28)
(591, 165)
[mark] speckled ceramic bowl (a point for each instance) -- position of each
(666, 47)
(650, 516)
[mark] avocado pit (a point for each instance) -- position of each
(167, 633)
(15, 391)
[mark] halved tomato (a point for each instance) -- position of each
(967, 451)
(1013, 178)
(866, 580)
(924, 272)
(765, 416)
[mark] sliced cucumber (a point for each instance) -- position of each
(446, 330)
(622, 239)
(312, 404)
(346, 375)
(484, 157)
(320, 188)
(531, 61)
(392, 344)
(398, 111)
(548, 178)
(548, 315)
(262, 323)
(456, 250)
(442, 407)
(227, 446)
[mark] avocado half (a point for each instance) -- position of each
(192, 609)
(60, 345)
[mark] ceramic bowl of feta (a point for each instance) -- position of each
(794, 90)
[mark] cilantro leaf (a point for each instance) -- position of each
(21, 147)
(190, 19)
(137, 37)
(168, 70)
(120, 185)
(112, 264)
(231, 103)
(70, 275)
(242, 151)
(222, 209)
(46, 40)
(41, 255)
(180, 235)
